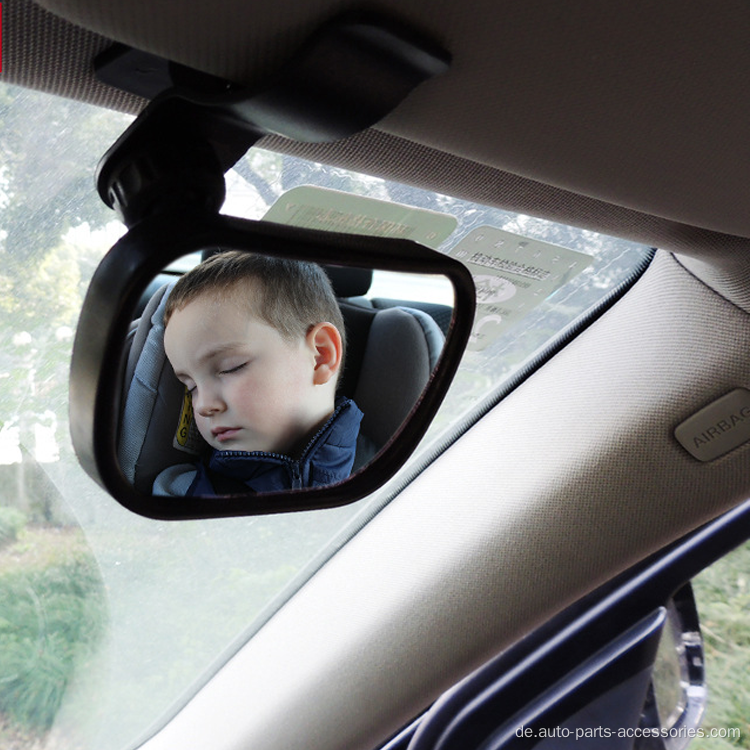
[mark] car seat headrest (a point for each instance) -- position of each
(401, 352)
(346, 282)
(349, 282)
(154, 406)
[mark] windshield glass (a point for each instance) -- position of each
(109, 622)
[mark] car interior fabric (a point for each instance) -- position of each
(594, 152)
(443, 579)
(153, 400)
(441, 314)
(402, 348)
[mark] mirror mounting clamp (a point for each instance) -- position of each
(197, 125)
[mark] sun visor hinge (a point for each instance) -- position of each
(346, 78)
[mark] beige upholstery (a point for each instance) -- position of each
(566, 482)
(597, 116)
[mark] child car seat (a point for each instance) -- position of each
(391, 352)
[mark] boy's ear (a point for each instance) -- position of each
(325, 341)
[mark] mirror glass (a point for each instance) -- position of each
(250, 373)
(676, 701)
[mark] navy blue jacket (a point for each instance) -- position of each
(327, 459)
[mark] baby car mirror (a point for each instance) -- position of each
(265, 380)
(259, 418)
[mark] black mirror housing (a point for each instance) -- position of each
(110, 307)
(164, 178)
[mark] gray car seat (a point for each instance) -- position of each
(391, 352)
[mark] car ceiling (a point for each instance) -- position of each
(628, 117)
(623, 117)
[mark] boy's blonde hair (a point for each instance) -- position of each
(292, 296)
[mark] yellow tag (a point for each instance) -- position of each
(186, 419)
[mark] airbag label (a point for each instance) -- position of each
(718, 428)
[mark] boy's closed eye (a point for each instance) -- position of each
(231, 370)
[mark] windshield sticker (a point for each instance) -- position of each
(319, 208)
(512, 275)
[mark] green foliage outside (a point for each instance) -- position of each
(722, 593)
(11, 522)
(52, 614)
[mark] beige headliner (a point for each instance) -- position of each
(625, 117)
(569, 480)
(628, 117)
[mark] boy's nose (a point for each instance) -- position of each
(209, 405)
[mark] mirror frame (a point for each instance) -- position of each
(109, 309)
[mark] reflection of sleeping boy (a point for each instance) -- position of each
(259, 344)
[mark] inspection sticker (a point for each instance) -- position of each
(320, 208)
(512, 275)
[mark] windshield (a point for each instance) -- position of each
(109, 622)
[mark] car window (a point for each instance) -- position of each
(722, 593)
(101, 608)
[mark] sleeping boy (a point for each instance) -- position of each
(259, 344)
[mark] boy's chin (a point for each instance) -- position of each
(247, 446)
(242, 440)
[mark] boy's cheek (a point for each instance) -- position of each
(203, 428)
